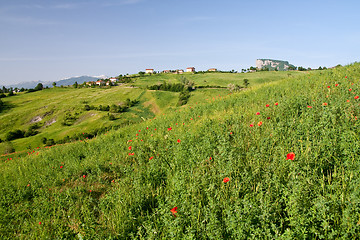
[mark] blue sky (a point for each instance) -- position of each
(53, 39)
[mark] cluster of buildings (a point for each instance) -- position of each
(102, 82)
(178, 71)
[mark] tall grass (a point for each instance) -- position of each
(167, 178)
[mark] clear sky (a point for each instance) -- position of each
(49, 40)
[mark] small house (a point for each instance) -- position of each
(150, 70)
(190, 69)
(113, 79)
(212, 70)
(100, 82)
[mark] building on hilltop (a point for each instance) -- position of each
(113, 79)
(190, 69)
(150, 70)
(212, 70)
(271, 65)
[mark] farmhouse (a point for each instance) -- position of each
(190, 69)
(113, 79)
(100, 82)
(212, 70)
(150, 70)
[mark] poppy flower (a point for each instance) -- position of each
(226, 179)
(259, 123)
(350, 89)
(309, 106)
(178, 141)
(267, 105)
(61, 166)
(356, 97)
(173, 211)
(151, 158)
(251, 125)
(39, 223)
(290, 156)
(268, 118)
(276, 103)
(347, 100)
(336, 85)
(131, 154)
(345, 76)
(130, 147)
(230, 133)
(84, 176)
(328, 86)
(169, 129)
(137, 134)
(257, 113)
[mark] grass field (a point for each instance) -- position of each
(49, 107)
(277, 161)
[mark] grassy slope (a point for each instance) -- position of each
(52, 104)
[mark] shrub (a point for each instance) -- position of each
(12, 135)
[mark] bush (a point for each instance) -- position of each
(50, 142)
(8, 148)
(12, 135)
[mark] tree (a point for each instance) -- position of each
(39, 87)
(246, 82)
(75, 85)
(54, 84)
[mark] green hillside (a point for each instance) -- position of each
(278, 161)
(47, 110)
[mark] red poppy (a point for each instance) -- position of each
(131, 154)
(230, 133)
(137, 134)
(90, 190)
(139, 130)
(350, 89)
(290, 156)
(84, 176)
(347, 100)
(345, 76)
(309, 106)
(61, 166)
(178, 140)
(267, 105)
(151, 158)
(251, 125)
(257, 113)
(336, 85)
(39, 223)
(268, 118)
(325, 104)
(328, 87)
(130, 147)
(259, 123)
(173, 211)
(226, 179)
(169, 129)
(356, 97)
(276, 103)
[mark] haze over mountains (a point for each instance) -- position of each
(64, 82)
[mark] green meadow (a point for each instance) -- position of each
(48, 108)
(279, 160)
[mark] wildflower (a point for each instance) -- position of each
(84, 176)
(169, 129)
(259, 123)
(336, 85)
(267, 105)
(309, 106)
(350, 89)
(151, 158)
(290, 156)
(61, 167)
(39, 223)
(356, 97)
(231, 133)
(226, 179)
(268, 118)
(257, 113)
(251, 125)
(347, 100)
(178, 141)
(131, 154)
(345, 76)
(328, 86)
(325, 104)
(137, 134)
(130, 147)
(276, 103)
(210, 158)
(90, 190)
(173, 211)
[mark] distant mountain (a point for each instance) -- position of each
(272, 64)
(64, 82)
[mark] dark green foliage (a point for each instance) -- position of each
(172, 87)
(183, 97)
(50, 142)
(12, 135)
(246, 83)
(69, 119)
(39, 87)
(2, 95)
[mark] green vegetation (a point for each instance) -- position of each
(64, 113)
(279, 160)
